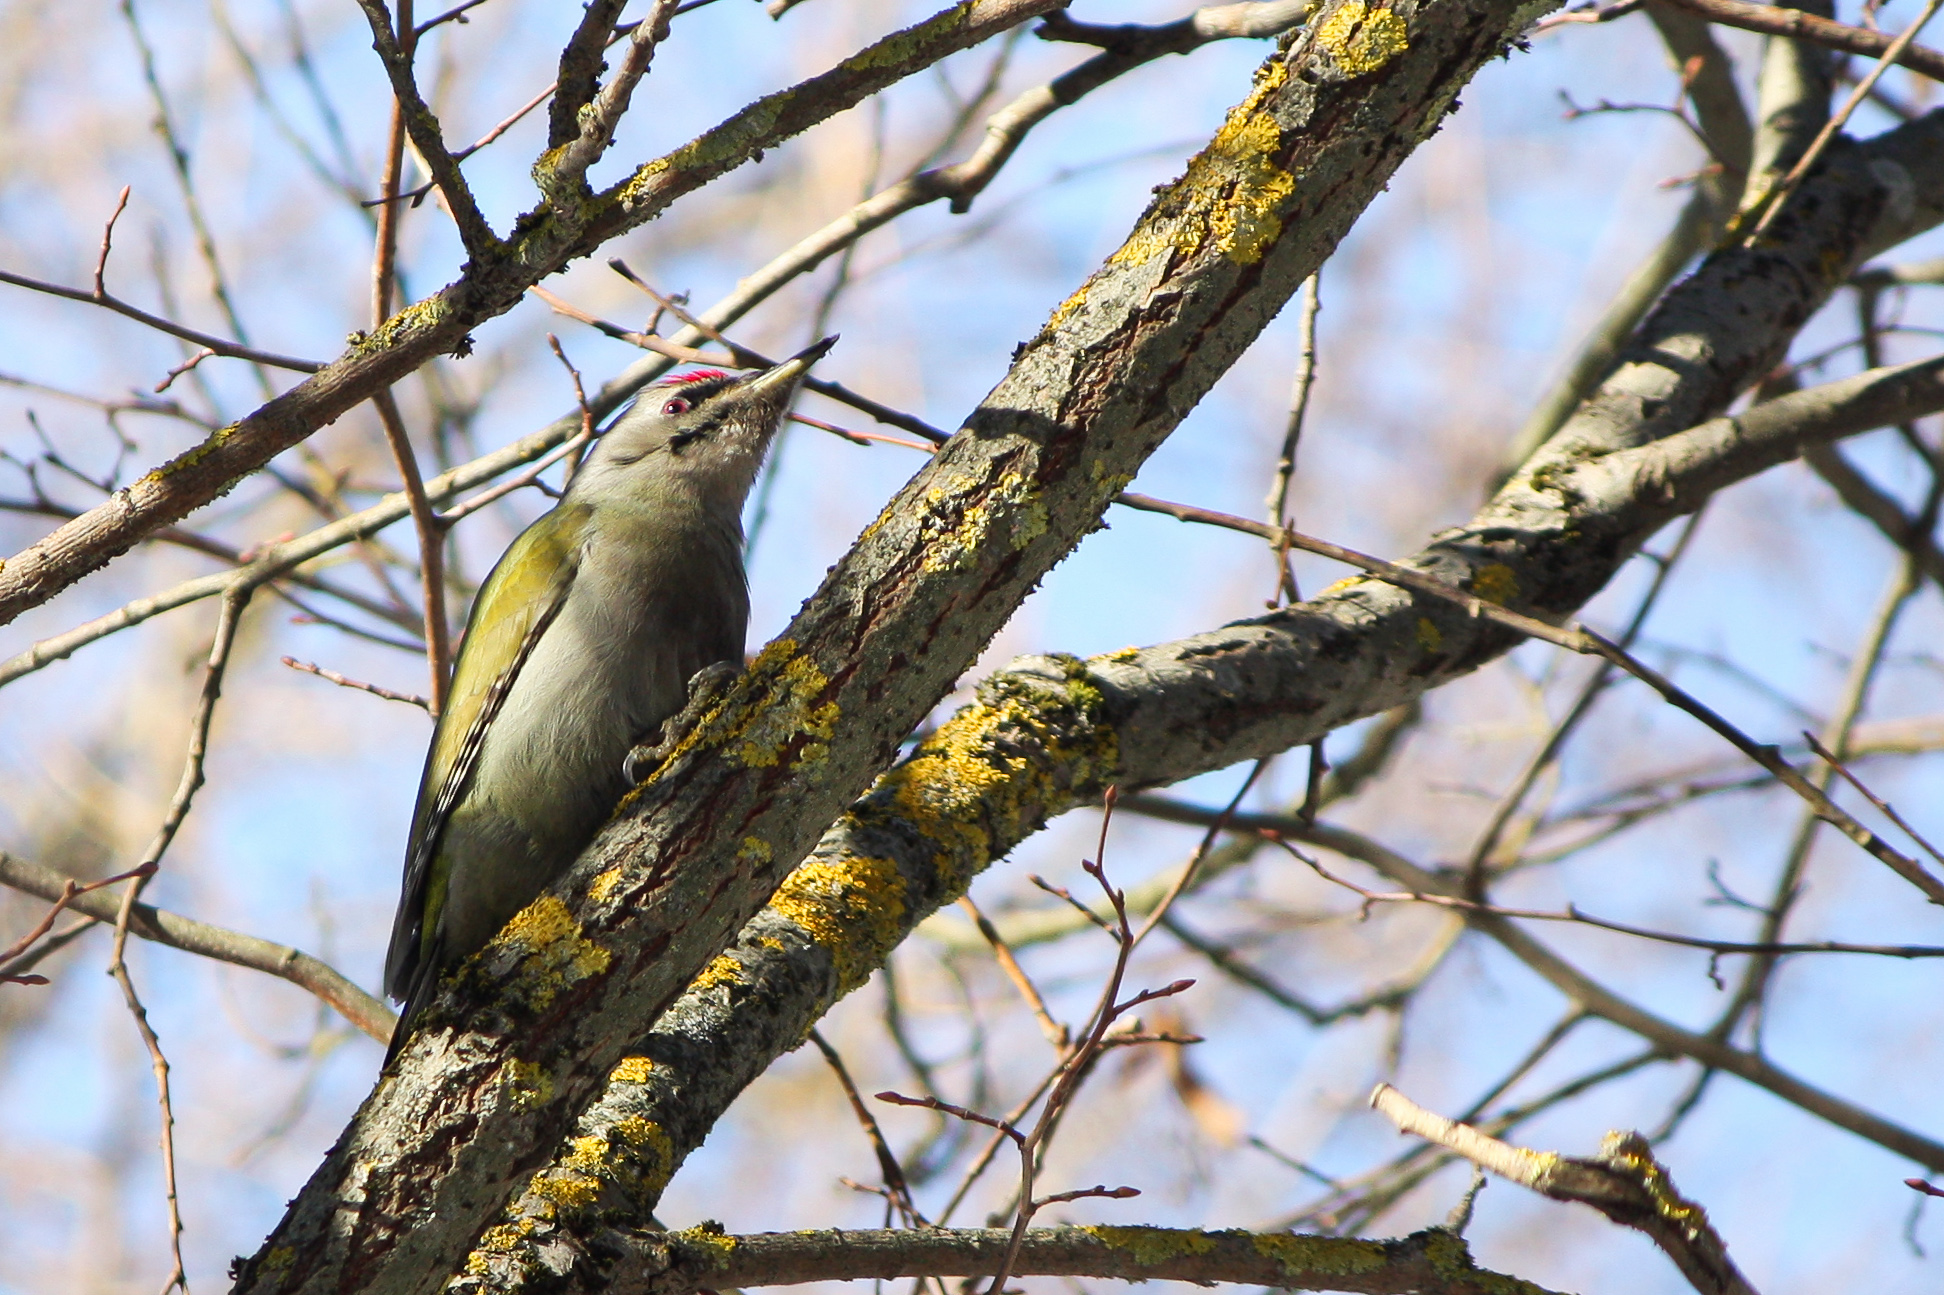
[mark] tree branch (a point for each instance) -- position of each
(490, 286)
(1624, 1182)
(562, 172)
(1775, 20)
(427, 137)
(1435, 1261)
(191, 936)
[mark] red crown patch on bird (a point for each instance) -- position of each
(694, 375)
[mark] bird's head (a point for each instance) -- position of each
(697, 436)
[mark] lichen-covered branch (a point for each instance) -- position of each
(492, 283)
(1051, 733)
(1432, 1262)
(1624, 1182)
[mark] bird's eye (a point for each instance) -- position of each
(676, 406)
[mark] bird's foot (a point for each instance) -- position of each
(705, 687)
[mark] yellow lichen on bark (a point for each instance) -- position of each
(1495, 583)
(553, 952)
(1152, 1245)
(725, 970)
(854, 908)
(1307, 1254)
(1360, 38)
(1012, 501)
(1231, 200)
(790, 710)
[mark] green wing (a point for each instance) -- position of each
(515, 605)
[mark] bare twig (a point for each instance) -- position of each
(1056, 1033)
(897, 1188)
(165, 129)
(384, 262)
(70, 889)
(227, 624)
(1830, 758)
(159, 1066)
(1664, 1036)
(431, 537)
(423, 129)
(455, 14)
(1587, 13)
(1573, 914)
(216, 345)
(580, 398)
(744, 358)
(307, 667)
(108, 241)
(1555, 742)
(1278, 500)
(214, 942)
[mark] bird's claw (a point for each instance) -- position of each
(705, 686)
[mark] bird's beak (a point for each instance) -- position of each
(778, 382)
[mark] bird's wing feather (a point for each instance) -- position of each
(515, 606)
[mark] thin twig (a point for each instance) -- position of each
(159, 1067)
(1576, 638)
(422, 126)
(455, 14)
(1624, 1183)
(1555, 742)
(108, 241)
(69, 891)
(1830, 758)
(431, 530)
(1056, 1033)
(1299, 398)
(172, 819)
(171, 138)
(745, 358)
(1587, 13)
(307, 667)
(897, 1188)
(580, 398)
(384, 261)
(1574, 915)
(1776, 198)
(221, 346)
(205, 940)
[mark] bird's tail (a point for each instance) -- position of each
(419, 991)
